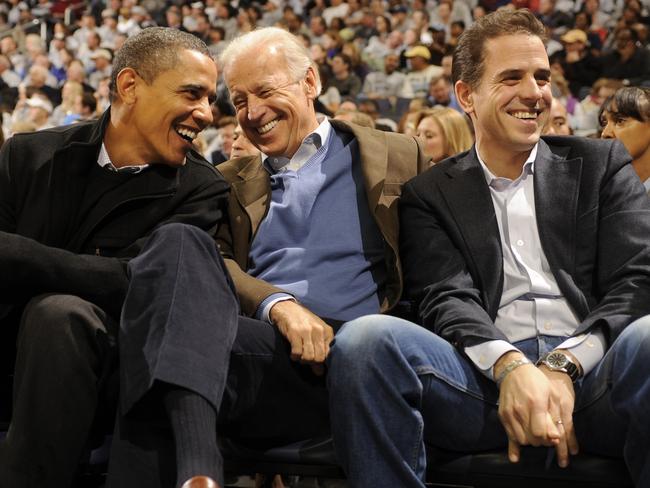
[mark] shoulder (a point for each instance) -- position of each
(31, 150)
(596, 154)
(232, 168)
(200, 172)
(437, 175)
(55, 137)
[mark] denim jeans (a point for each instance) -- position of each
(395, 387)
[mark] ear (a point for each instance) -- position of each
(126, 84)
(464, 96)
(310, 83)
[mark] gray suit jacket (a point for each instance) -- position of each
(593, 217)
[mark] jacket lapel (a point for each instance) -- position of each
(470, 204)
(557, 182)
(253, 191)
(67, 183)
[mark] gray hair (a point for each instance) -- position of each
(153, 51)
(295, 54)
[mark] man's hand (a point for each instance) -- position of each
(525, 407)
(307, 334)
(563, 400)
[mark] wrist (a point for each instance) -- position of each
(561, 361)
(508, 367)
(503, 360)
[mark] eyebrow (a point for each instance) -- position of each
(193, 86)
(212, 93)
(509, 73)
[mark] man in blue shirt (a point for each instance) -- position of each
(310, 243)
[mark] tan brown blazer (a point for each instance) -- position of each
(387, 159)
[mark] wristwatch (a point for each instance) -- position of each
(559, 361)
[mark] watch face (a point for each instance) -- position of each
(557, 360)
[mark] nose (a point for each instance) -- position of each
(531, 89)
(254, 108)
(608, 132)
(203, 111)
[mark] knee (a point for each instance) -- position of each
(367, 341)
(178, 233)
(363, 334)
(172, 242)
(636, 339)
(58, 321)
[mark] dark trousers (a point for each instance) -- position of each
(65, 354)
(181, 326)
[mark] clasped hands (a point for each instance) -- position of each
(308, 336)
(536, 408)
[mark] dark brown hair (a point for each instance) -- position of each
(469, 55)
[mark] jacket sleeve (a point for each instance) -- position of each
(30, 268)
(251, 291)
(437, 278)
(622, 270)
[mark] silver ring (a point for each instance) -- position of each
(559, 422)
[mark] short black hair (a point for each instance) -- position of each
(153, 51)
(629, 102)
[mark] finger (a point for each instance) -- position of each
(308, 352)
(562, 449)
(295, 341)
(328, 337)
(540, 421)
(519, 434)
(319, 349)
(513, 451)
(512, 426)
(553, 430)
(570, 434)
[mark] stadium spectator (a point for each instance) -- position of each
(443, 132)
(421, 72)
(626, 117)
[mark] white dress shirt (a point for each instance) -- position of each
(531, 301)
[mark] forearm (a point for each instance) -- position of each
(30, 268)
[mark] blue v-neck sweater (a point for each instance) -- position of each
(319, 240)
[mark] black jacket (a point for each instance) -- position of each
(69, 226)
(593, 217)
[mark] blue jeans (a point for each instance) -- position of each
(394, 387)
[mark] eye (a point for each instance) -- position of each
(619, 121)
(239, 104)
(266, 93)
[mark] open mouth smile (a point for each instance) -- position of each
(525, 114)
(186, 133)
(267, 127)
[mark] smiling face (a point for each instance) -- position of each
(168, 113)
(633, 133)
(274, 110)
(509, 107)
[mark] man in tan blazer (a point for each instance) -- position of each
(310, 242)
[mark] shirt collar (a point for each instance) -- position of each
(105, 162)
(309, 146)
(528, 168)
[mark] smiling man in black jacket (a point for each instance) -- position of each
(76, 203)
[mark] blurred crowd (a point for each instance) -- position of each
(383, 63)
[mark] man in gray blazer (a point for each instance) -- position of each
(529, 259)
